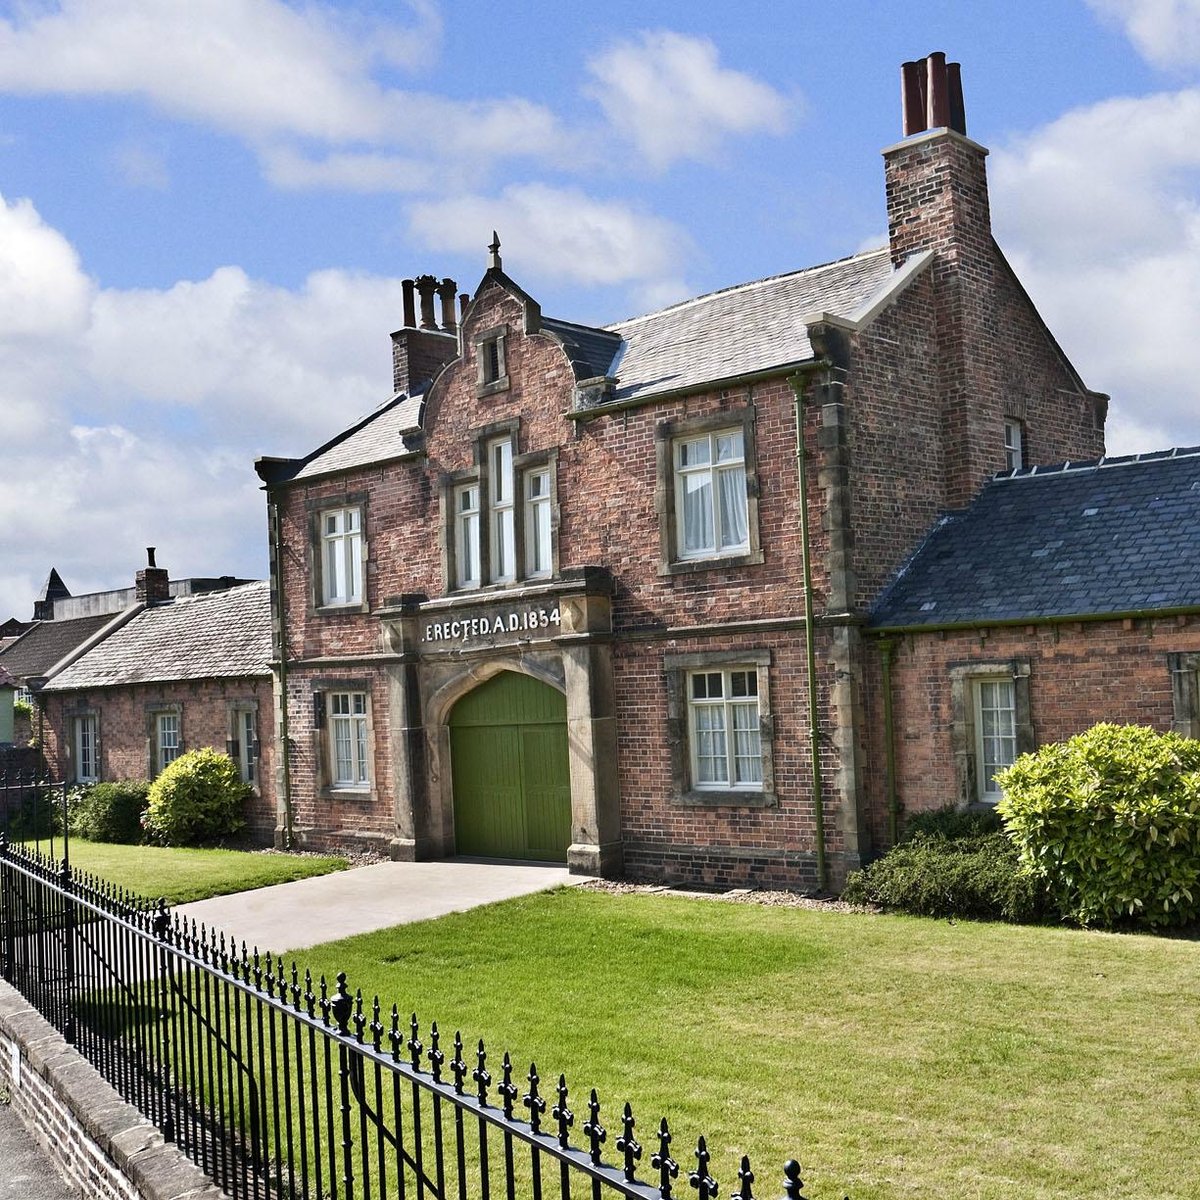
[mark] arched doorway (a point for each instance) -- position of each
(512, 784)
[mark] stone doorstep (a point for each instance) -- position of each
(119, 1131)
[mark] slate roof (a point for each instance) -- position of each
(744, 329)
(8, 681)
(376, 438)
(1117, 535)
(219, 635)
(33, 654)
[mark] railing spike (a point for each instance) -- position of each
(394, 1035)
(627, 1144)
(481, 1075)
(705, 1185)
(663, 1163)
(414, 1045)
(746, 1181)
(458, 1064)
(377, 1030)
(533, 1101)
(436, 1054)
(360, 1018)
(793, 1185)
(507, 1088)
(561, 1113)
(595, 1133)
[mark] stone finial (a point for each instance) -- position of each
(494, 253)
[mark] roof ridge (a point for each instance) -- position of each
(1095, 464)
(737, 287)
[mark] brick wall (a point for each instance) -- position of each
(125, 715)
(103, 1147)
(1080, 673)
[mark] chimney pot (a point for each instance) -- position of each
(149, 556)
(426, 289)
(410, 306)
(446, 290)
(937, 96)
(912, 97)
(463, 301)
(958, 109)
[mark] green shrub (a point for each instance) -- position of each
(1109, 822)
(935, 875)
(109, 812)
(34, 813)
(198, 798)
(952, 824)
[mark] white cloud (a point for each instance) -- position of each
(668, 94)
(1099, 212)
(272, 74)
(1166, 32)
(557, 234)
(363, 172)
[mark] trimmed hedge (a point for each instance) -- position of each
(110, 812)
(935, 875)
(1109, 823)
(198, 798)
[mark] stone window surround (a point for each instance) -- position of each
(233, 708)
(154, 710)
(71, 715)
(963, 677)
(322, 732)
(483, 385)
(676, 668)
(316, 509)
(666, 434)
(523, 463)
(1185, 693)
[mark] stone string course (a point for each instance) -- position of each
(104, 1147)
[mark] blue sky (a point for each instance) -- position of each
(206, 210)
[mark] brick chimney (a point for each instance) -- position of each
(420, 349)
(151, 583)
(937, 199)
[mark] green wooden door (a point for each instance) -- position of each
(512, 785)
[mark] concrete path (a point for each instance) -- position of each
(290, 916)
(25, 1171)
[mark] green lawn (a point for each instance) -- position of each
(182, 875)
(895, 1057)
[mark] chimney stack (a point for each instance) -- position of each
(151, 584)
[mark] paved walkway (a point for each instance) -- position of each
(290, 916)
(25, 1172)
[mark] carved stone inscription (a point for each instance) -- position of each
(492, 626)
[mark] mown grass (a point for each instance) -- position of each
(182, 875)
(895, 1057)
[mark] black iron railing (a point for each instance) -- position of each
(32, 805)
(279, 1086)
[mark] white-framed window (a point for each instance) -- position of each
(1014, 444)
(995, 733)
(341, 556)
(502, 557)
(725, 729)
(167, 741)
(710, 495)
(539, 559)
(243, 742)
(349, 763)
(467, 564)
(86, 747)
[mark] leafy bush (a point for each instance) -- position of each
(33, 812)
(22, 708)
(198, 798)
(935, 875)
(1109, 821)
(109, 812)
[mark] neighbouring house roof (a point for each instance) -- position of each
(218, 635)
(48, 642)
(7, 680)
(1117, 535)
(751, 328)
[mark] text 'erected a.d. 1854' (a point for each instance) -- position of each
(513, 624)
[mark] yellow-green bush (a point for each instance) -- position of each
(198, 798)
(1109, 821)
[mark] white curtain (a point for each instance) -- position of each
(732, 496)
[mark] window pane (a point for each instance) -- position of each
(747, 744)
(711, 759)
(729, 446)
(735, 529)
(697, 453)
(697, 514)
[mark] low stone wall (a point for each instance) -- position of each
(104, 1147)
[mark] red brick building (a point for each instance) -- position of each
(163, 675)
(604, 594)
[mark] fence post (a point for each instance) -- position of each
(67, 884)
(6, 907)
(341, 1007)
(162, 929)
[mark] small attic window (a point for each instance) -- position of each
(492, 372)
(1014, 444)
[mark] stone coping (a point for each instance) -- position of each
(94, 1113)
